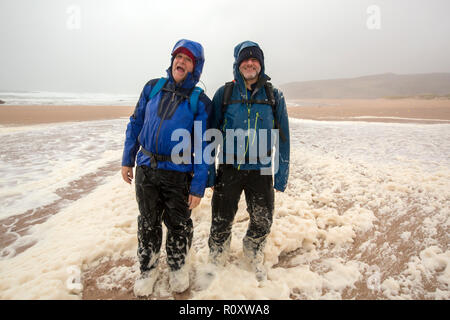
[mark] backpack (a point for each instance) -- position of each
(268, 87)
(193, 98)
(193, 101)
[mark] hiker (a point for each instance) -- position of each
(167, 189)
(249, 103)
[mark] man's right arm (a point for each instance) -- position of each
(216, 120)
(134, 127)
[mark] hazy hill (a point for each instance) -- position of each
(374, 86)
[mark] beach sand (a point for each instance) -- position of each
(27, 115)
(372, 110)
(407, 110)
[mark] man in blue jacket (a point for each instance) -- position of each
(167, 189)
(256, 113)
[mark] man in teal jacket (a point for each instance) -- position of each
(251, 114)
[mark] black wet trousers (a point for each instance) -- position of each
(259, 195)
(163, 196)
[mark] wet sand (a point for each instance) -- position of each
(372, 110)
(14, 228)
(28, 115)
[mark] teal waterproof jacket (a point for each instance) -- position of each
(249, 119)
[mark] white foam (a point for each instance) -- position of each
(36, 161)
(102, 224)
(353, 184)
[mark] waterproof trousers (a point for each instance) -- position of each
(163, 196)
(259, 195)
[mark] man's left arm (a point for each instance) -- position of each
(201, 120)
(281, 177)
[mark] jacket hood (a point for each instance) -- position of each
(237, 51)
(197, 50)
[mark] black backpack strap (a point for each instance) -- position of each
(271, 99)
(227, 92)
(273, 103)
(270, 96)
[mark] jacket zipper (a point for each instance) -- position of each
(248, 129)
(256, 126)
(224, 124)
(248, 123)
(162, 120)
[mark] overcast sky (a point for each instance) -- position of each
(115, 46)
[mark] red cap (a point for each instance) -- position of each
(186, 52)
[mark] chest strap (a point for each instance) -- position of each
(155, 158)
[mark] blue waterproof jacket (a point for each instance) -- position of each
(154, 120)
(250, 118)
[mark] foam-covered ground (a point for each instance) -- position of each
(365, 215)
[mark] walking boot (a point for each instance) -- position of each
(255, 258)
(145, 283)
(219, 255)
(179, 279)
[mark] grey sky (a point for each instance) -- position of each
(116, 46)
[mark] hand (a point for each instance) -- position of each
(193, 201)
(127, 174)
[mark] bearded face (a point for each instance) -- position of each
(250, 69)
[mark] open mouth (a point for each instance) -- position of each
(180, 69)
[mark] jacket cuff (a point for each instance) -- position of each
(196, 195)
(280, 187)
(127, 165)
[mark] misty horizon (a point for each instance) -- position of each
(117, 46)
(281, 85)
